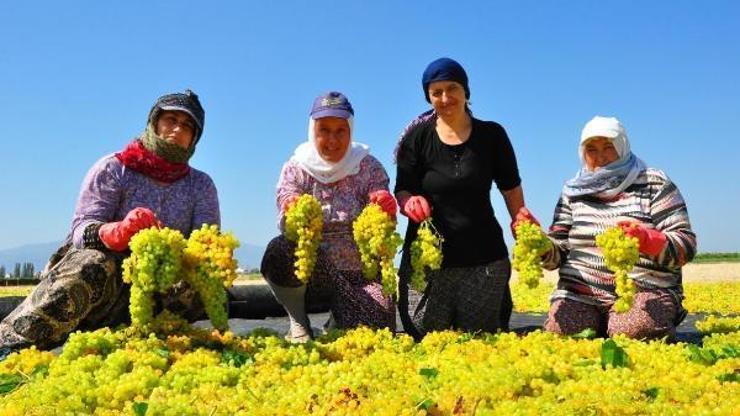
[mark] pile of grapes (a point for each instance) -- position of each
(179, 370)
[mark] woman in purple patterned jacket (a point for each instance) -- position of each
(149, 183)
(344, 178)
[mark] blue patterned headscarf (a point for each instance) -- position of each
(607, 181)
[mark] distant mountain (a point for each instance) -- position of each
(249, 255)
(38, 254)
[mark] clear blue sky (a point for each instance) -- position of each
(77, 80)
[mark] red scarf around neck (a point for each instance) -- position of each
(138, 158)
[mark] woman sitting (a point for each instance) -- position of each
(149, 183)
(344, 178)
(615, 188)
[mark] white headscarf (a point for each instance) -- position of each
(610, 180)
(324, 171)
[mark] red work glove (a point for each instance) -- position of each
(116, 235)
(416, 208)
(385, 200)
(651, 241)
(289, 201)
(522, 215)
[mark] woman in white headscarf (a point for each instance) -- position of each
(615, 188)
(344, 178)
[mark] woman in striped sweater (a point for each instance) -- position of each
(615, 188)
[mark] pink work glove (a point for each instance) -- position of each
(522, 215)
(385, 200)
(116, 235)
(651, 241)
(416, 208)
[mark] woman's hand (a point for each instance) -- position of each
(523, 214)
(116, 235)
(385, 200)
(289, 201)
(652, 242)
(416, 208)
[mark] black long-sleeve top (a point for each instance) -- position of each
(457, 180)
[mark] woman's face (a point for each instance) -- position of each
(447, 98)
(599, 152)
(176, 127)
(332, 138)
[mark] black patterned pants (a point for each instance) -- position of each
(81, 289)
(470, 299)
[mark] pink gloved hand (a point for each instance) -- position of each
(416, 208)
(652, 242)
(385, 200)
(522, 215)
(116, 235)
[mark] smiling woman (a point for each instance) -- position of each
(447, 163)
(344, 178)
(149, 183)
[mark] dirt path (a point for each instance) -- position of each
(706, 272)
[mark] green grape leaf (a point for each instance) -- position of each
(425, 404)
(40, 371)
(9, 382)
(730, 351)
(236, 358)
(162, 352)
(588, 333)
(429, 373)
(729, 377)
(584, 363)
(702, 355)
(651, 393)
(140, 408)
(612, 354)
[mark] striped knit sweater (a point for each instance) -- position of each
(652, 200)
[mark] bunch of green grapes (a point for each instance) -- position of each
(377, 240)
(209, 255)
(303, 223)
(155, 264)
(531, 243)
(426, 253)
(621, 253)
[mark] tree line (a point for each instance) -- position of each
(20, 271)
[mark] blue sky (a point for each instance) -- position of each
(77, 80)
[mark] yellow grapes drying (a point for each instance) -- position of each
(155, 264)
(369, 372)
(426, 253)
(621, 253)
(303, 223)
(377, 240)
(531, 243)
(212, 269)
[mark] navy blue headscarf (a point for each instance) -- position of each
(444, 69)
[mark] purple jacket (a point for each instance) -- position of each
(110, 191)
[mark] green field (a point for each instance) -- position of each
(717, 258)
